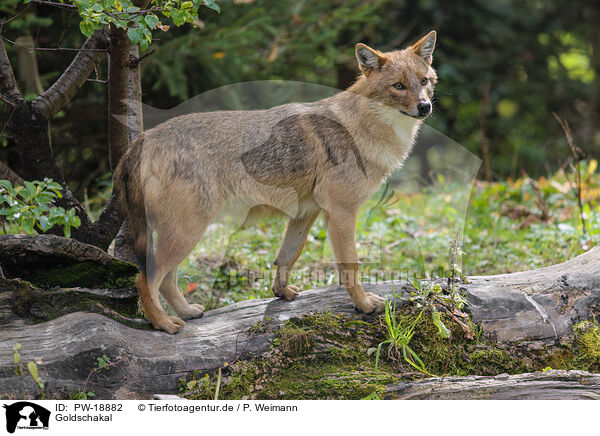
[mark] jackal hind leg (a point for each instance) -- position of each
(172, 247)
(293, 241)
(170, 291)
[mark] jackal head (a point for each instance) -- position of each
(401, 79)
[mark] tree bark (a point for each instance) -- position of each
(123, 245)
(118, 74)
(7, 174)
(69, 82)
(9, 92)
(550, 385)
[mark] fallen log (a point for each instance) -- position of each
(550, 385)
(530, 311)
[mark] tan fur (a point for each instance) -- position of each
(299, 159)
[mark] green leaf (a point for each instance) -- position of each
(27, 225)
(177, 17)
(442, 329)
(135, 34)
(32, 367)
(212, 5)
(76, 221)
(144, 44)
(45, 223)
(191, 384)
(31, 189)
(151, 20)
(86, 28)
(53, 185)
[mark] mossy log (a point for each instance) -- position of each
(530, 310)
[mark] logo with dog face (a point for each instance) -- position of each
(26, 415)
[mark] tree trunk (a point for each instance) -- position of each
(135, 125)
(118, 75)
(30, 125)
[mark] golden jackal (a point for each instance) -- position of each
(299, 158)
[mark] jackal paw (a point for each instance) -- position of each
(287, 292)
(192, 311)
(171, 324)
(371, 303)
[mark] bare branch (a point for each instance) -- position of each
(7, 174)
(55, 4)
(63, 90)
(9, 92)
(16, 44)
(111, 14)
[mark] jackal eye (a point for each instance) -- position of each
(424, 81)
(399, 85)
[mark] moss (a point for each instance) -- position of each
(581, 352)
(586, 346)
(315, 357)
(493, 361)
(561, 358)
(329, 356)
(47, 304)
(295, 342)
(588, 339)
(89, 274)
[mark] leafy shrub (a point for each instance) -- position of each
(30, 207)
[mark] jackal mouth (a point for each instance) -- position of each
(417, 117)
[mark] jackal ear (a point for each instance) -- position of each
(368, 58)
(424, 47)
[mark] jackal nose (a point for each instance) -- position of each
(424, 108)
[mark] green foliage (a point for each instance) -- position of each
(31, 368)
(30, 208)
(80, 395)
(123, 14)
(398, 337)
(104, 363)
(586, 350)
(262, 40)
(443, 331)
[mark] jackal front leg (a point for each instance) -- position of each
(341, 226)
(291, 247)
